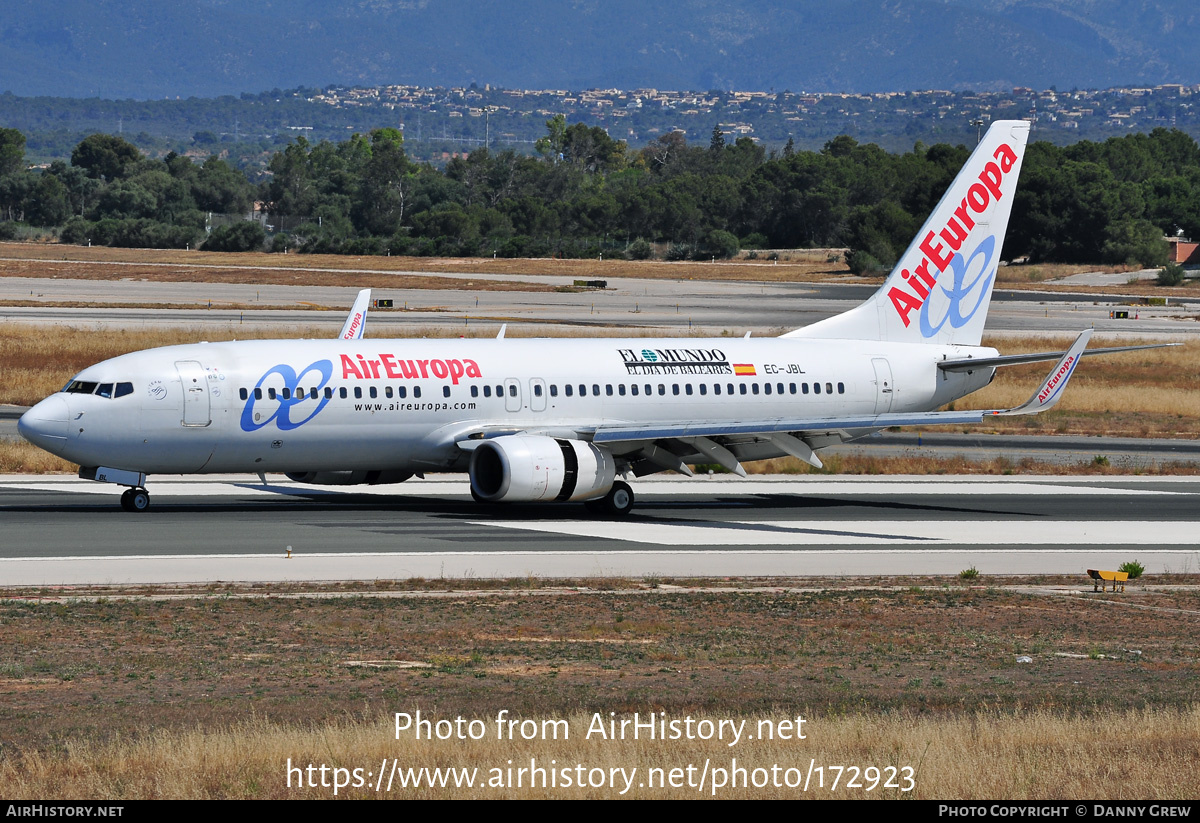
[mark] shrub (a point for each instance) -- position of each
(639, 250)
(1133, 568)
(969, 574)
(1171, 274)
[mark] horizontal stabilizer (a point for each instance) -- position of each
(972, 363)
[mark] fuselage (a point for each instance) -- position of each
(405, 405)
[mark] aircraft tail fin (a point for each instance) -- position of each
(356, 321)
(940, 289)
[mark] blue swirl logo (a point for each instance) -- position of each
(959, 291)
(286, 396)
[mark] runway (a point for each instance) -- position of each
(640, 306)
(65, 531)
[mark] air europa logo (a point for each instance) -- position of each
(941, 249)
(286, 400)
(361, 368)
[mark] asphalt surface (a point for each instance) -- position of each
(666, 307)
(70, 531)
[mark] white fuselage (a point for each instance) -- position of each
(404, 405)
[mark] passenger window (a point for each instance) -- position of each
(804, 388)
(779, 387)
(312, 393)
(287, 393)
(649, 390)
(634, 389)
(445, 391)
(416, 391)
(499, 391)
(358, 392)
(754, 388)
(596, 389)
(401, 392)
(662, 389)
(608, 389)
(767, 388)
(271, 393)
(512, 390)
(242, 393)
(569, 389)
(374, 393)
(675, 388)
(703, 388)
(742, 388)
(729, 388)
(829, 388)
(621, 389)
(816, 388)
(387, 391)
(553, 390)
(716, 388)
(537, 390)
(687, 389)
(474, 391)
(841, 388)
(328, 393)
(487, 391)
(342, 392)
(792, 387)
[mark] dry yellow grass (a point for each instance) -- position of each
(1033, 755)
(795, 266)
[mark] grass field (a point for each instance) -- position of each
(184, 693)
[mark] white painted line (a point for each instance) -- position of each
(480, 565)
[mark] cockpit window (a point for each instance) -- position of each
(105, 390)
(81, 387)
(124, 389)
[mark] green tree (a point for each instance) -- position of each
(12, 151)
(105, 155)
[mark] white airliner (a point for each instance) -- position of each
(546, 420)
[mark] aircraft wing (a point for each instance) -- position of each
(356, 322)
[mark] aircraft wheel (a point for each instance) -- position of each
(139, 500)
(619, 500)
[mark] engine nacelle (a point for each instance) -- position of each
(527, 467)
(349, 478)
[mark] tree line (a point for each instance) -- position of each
(582, 194)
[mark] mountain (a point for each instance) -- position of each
(146, 48)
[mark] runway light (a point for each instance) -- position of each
(289, 553)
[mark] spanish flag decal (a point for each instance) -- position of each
(744, 369)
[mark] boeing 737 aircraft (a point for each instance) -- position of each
(539, 420)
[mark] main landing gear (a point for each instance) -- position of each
(135, 500)
(617, 503)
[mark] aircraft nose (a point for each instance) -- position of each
(45, 425)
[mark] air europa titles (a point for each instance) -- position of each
(941, 248)
(1063, 371)
(362, 368)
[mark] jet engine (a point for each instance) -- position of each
(525, 468)
(349, 478)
